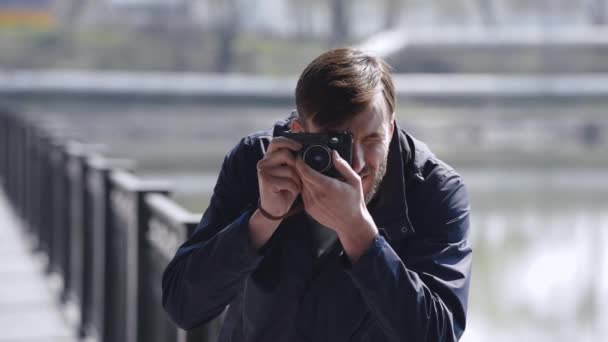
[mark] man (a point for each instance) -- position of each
(379, 255)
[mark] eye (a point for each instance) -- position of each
(372, 139)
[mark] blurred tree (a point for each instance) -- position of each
(598, 12)
(227, 31)
(302, 13)
(487, 12)
(553, 12)
(392, 14)
(340, 22)
(182, 29)
(452, 12)
(72, 12)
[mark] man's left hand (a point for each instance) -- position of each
(338, 205)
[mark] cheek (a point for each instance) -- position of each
(374, 155)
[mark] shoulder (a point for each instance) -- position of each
(238, 174)
(239, 165)
(250, 148)
(439, 191)
(425, 166)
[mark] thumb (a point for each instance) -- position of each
(345, 170)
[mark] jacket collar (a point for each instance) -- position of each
(389, 208)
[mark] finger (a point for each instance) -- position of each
(278, 143)
(282, 172)
(310, 176)
(344, 169)
(278, 184)
(280, 157)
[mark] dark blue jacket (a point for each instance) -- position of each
(411, 285)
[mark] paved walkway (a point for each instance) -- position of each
(29, 309)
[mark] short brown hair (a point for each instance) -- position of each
(340, 83)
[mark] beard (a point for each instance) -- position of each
(376, 181)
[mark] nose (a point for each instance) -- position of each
(358, 161)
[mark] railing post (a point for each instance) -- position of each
(130, 217)
(3, 146)
(4, 142)
(54, 208)
(22, 156)
(46, 224)
(34, 183)
(168, 227)
(33, 174)
(7, 158)
(18, 160)
(77, 169)
(28, 173)
(97, 259)
(10, 157)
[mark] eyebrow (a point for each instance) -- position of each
(371, 135)
(374, 135)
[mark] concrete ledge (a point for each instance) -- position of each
(243, 88)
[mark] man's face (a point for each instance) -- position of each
(372, 130)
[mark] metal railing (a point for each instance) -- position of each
(107, 234)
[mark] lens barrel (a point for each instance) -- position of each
(317, 157)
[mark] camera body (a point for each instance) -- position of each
(317, 147)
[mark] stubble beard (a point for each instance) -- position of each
(378, 177)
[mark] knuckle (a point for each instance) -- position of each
(277, 153)
(287, 153)
(262, 163)
(280, 153)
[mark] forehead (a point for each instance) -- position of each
(373, 119)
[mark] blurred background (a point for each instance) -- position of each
(512, 93)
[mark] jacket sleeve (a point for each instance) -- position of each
(210, 267)
(419, 290)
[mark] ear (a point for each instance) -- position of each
(297, 126)
(392, 125)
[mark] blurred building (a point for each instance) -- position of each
(22, 13)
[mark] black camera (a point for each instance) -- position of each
(317, 147)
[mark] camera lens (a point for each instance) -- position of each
(317, 157)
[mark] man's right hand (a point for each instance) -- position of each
(279, 183)
(279, 186)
